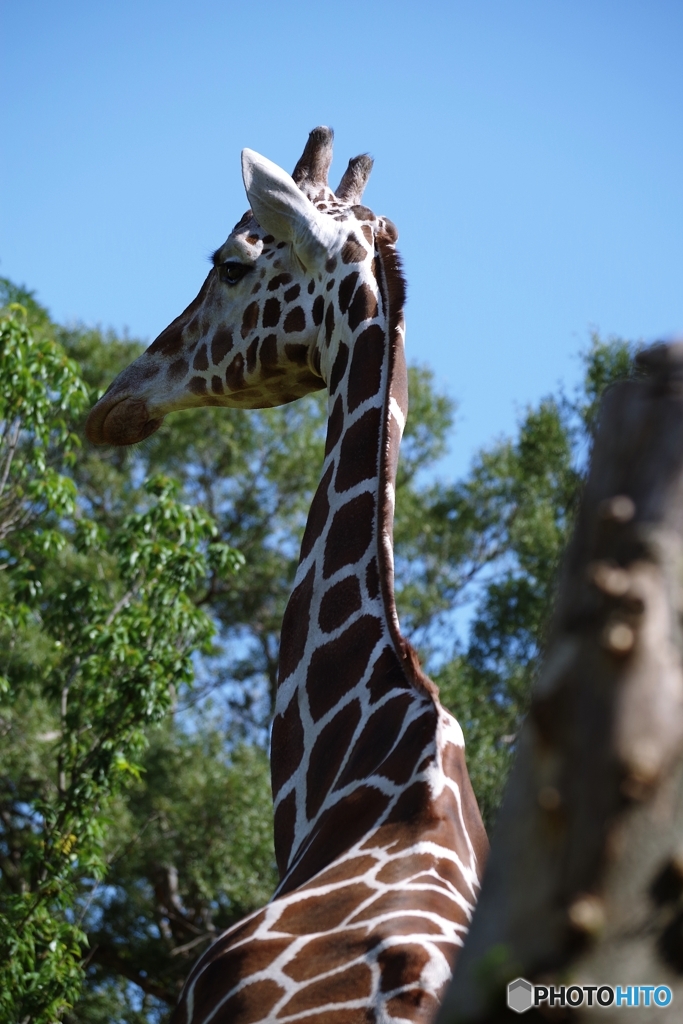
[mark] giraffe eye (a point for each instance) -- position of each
(231, 273)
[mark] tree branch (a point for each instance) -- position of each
(109, 958)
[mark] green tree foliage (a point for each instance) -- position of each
(99, 628)
(184, 846)
(195, 855)
(41, 390)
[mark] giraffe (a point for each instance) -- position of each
(378, 837)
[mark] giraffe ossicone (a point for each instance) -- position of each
(378, 837)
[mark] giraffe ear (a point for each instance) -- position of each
(284, 211)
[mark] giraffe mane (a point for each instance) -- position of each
(394, 282)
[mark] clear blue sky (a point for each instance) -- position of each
(529, 151)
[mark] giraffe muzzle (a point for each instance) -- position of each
(120, 422)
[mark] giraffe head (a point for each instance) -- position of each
(259, 332)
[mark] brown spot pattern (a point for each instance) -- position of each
(415, 1005)
(278, 281)
(221, 344)
(149, 371)
(334, 425)
(252, 1002)
(251, 355)
(345, 1016)
(339, 660)
(314, 915)
(268, 357)
(271, 312)
(288, 741)
(295, 320)
(351, 868)
(317, 516)
(398, 767)
(410, 924)
(363, 307)
(249, 319)
(401, 965)
(217, 385)
(365, 375)
(178, 368)
(340, 601)
(350, 533)
(242, 962)
(359, 456)
(352, 984)
(317, 311)
(346, 290)
(169, 341)
(377, 741)
(339, 367)
(329, 324)
(234, 374)
(292, 293)
(317, 955)
(336, 830)
(396, 900)
(387, 675)
(362, 213)
(372, 578)
(197, 386)
(395, 871)
(284, 823)
(327, 755)
(295, 625)
(226, 971)
(297, 354)
(353, 251)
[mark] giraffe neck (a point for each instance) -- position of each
(342, 657)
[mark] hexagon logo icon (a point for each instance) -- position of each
(520, 995)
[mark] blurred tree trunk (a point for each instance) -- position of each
(585, 880)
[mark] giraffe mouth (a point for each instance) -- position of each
(120, 422)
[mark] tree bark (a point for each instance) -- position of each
(585, 879)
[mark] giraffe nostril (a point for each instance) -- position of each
(127, 422)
